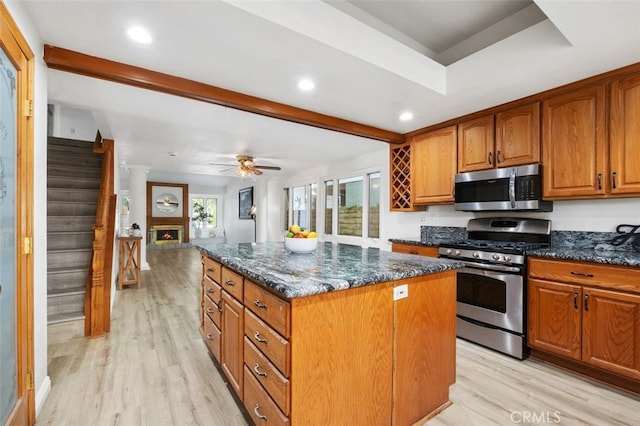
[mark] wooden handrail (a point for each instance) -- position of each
(98, 295)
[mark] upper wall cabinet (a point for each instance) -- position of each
(516, 140)
(433, 163)
(475, 144)
(518, 136)
(624, 140)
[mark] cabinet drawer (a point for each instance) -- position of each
(212, 310)
(270, 343)
(415, 249)
(212, 338)
(260, 406)
(276, 385)
(614, 277)
(270, 308)
(212, 289)
(212, 269)
(232, 283)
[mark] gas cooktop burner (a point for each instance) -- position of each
(490, 245)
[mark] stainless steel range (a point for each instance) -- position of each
(492, 296)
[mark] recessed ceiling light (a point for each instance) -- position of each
(306, 85)
(406, 116)
(173, 154)
(139, 34)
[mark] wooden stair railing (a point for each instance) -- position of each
(97, 302)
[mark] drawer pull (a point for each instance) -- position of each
(210, 311)
(260, 305)
(258, 415)
(581, 274)
(258, 372)
(211, 269)
(210, 290)
(586, 302)
(209, 336)
(230, 283)
(575, 299)
(258, 338)
(413, 252)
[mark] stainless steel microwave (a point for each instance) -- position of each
(504, 189)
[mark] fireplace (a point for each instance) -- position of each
(166, 234)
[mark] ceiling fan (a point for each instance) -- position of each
(246, 166)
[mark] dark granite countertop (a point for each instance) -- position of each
(609, 257)
(331, 267)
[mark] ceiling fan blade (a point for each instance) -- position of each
(267, 167)
(221, 164)
(255, 171)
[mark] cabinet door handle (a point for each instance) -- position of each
(453, 191)
(614, 184)
(581, 274)
(209, 336)
(575, 299)
(258, 415)
(258, 338)
(230, 283)
(498, 157)
(210, 311)
(491, 158)
(599, 180)
(586, 302)
(258, 372)
(219, 305)
(210, 290)
(260, 305)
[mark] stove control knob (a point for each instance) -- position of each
(495, 256)
(449, 251)
(507, 258)
(476, 254)
(457, 253)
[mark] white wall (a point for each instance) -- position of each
(241, 230)
(42, 380)
(73, 123)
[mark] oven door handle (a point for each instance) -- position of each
(479, 323)
(501, 268)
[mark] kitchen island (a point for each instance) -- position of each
(343, 335)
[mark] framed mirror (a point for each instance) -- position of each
(167, 203)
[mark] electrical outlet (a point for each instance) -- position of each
(400, 292)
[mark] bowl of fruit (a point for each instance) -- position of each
(300, 240)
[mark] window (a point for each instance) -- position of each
(313, 208)
(373, 180)
(350, 206)
(300, 215)
(286, 209)
(204, 214)
(328, 207)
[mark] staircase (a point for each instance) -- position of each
(73, 186)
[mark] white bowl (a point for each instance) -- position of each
(300, 245)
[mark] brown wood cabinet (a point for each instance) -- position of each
(574, 144)
(518, 136)
(429, 251)
(433, 166)
(304, 359)
(586, 312)
(624, 140)
(476, 144)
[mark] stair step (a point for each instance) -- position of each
(70, 223)
(71, 208)
(73, 194)
(69, 240)
(61, 278)
(70, 160)
(75, 170)
(65, 317)
(54, 141)
(61, 292)
(75, 258)
(73, 182)
(65, 304)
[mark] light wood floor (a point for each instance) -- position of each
(154, 369)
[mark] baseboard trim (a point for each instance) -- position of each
(42, 394)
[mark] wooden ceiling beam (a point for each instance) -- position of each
(91, 66)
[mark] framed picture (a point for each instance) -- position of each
(245, 201)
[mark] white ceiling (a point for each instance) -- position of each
(371, 60)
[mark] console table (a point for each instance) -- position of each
(129, 261)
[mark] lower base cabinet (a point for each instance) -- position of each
(352, 357)
(589, 314)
